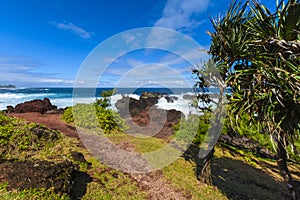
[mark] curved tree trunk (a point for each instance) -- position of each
(203, 169)
(283, 169)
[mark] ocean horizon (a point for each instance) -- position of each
(64, 97)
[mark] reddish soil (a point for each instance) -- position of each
(153, 183)
(52, 121)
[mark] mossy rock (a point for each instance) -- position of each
(58, 177)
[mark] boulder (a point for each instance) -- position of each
(138, 112)
(41, 106)
(171, 99)
(9, 109)
(128, 105)
(38, 174)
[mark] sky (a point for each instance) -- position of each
(51, 43)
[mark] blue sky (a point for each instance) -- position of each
(44, 43)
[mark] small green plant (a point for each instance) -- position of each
(104, 101)
(68, 115)
(185, 130)
(244, 126)
(17, 135)
(95, 115)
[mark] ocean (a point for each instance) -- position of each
(64, 97)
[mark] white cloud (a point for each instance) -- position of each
(178, 14)
(132, 39)
(128, 38)
(134, 63)
(23, 71)
(153, 74)
(77, 30)
(161, 38)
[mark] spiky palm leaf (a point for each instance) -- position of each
(258, 54)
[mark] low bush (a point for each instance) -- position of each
(193, 129)
(95, 115)
(17, 135)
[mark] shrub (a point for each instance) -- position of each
(185, 130)
(94, 115)
(244, 126)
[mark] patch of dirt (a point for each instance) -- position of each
(125, 145)
(153, 183)
(158, 187)
(52, 121)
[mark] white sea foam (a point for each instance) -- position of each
(5, 96)
(181, 104)
(16, 98)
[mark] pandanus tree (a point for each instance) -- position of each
(257, 52)
(211, 103)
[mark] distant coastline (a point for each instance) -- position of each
(9, 86)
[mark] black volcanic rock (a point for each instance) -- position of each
(171, 99)
(137, 112)
(38, 174)
(41, 106)
(128, 105)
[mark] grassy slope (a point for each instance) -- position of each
(236, 174)
(106, 184)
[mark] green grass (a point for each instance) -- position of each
(140, 144)
(111, 184)
(182, 175)
(235, 169)
(30, 194)
(107, 184)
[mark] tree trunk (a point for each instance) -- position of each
(203, 169)
(283, 169)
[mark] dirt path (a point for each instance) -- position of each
(52, 121)
(153, 183)
(158, 187)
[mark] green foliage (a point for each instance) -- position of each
(32, 194)
(17, 135)
(83, 115)
(257, 54)
(68, 115)
(109, 120)
(185, 130)
(94, 116)
(104, 101)
(245, 126)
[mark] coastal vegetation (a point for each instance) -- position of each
(234, 169)
(257, 54)
(95, 115)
